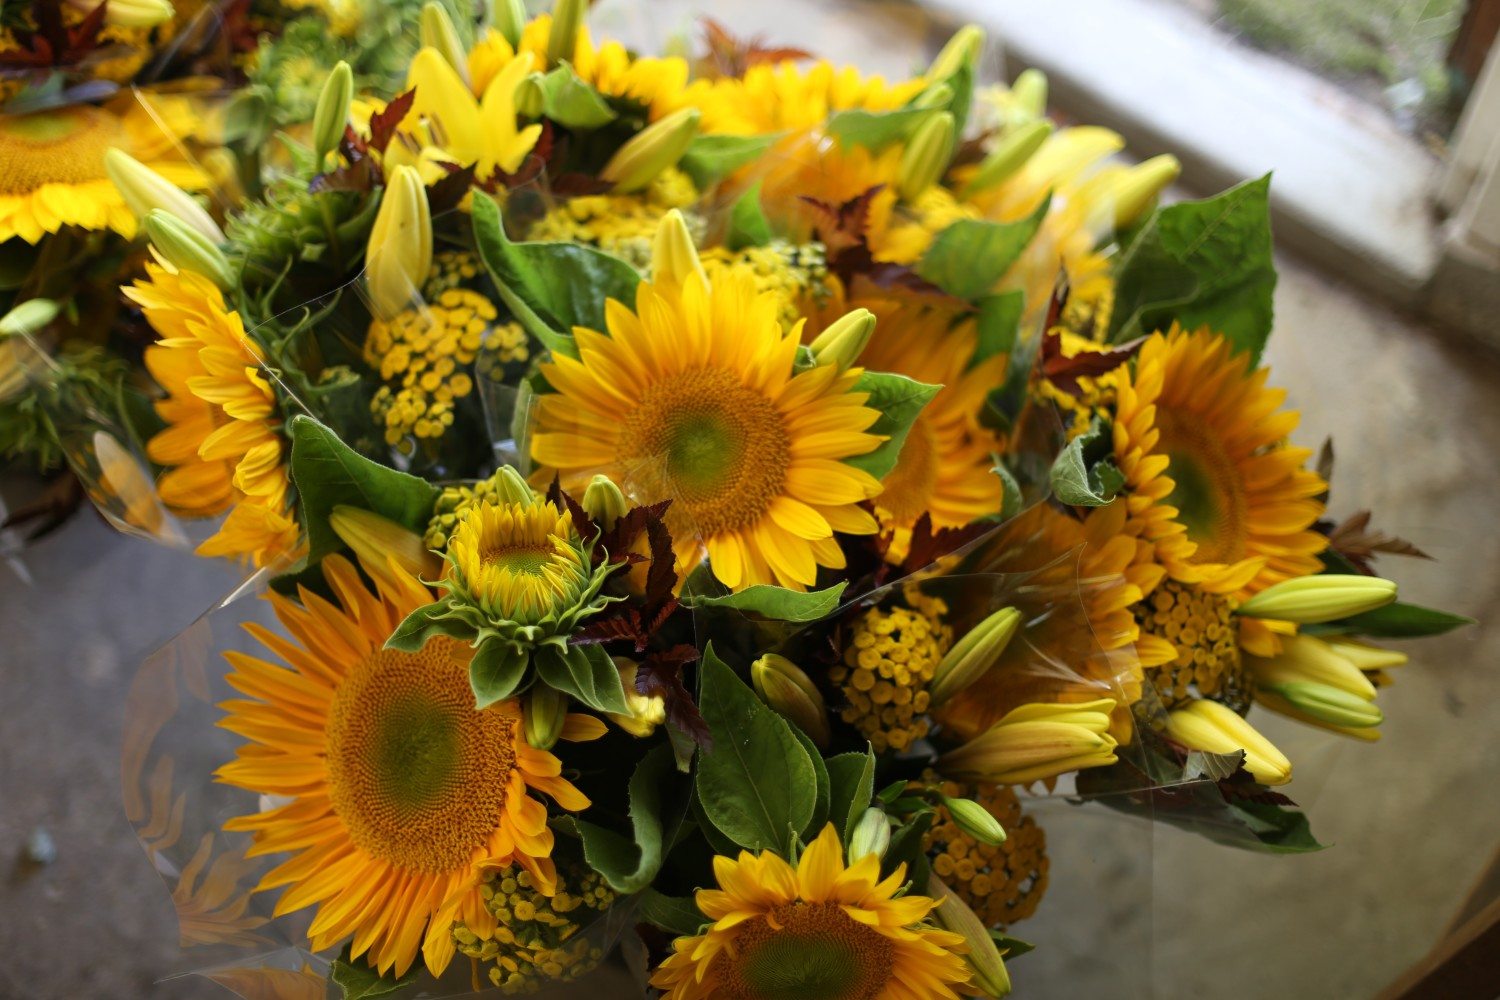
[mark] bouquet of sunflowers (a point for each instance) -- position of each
(703, 506)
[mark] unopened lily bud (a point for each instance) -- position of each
(925, 159)
(1366, 656)
(961, 50)
(974, 819)
(1321, 703)
(1009, 155)
(872, 835)
(511, 487)
(545, 712)
(782, 685)
(136, 13)
(987, 971)
(973, 655)
(939, 95)
(646, 711)
(1211, 727)
(567, 21)
(400, 247)
(1136, 190)
(436, 31)
(509, 18)
(1036, 741)
(655, 148)
(844, 340)
(29, 317)
(1029, 94)
(332, 114)
(1311, 600)
(1308, 658)
(673, 255)
(603, 501)
(144, 189)
(182, 246)
(380, 543)
(530, 98)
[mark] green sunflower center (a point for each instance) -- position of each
(416, 774)
(1207, 492)
(807, 951)
(523, 560)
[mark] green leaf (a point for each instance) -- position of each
(585, 672)
(569, 101)
(1012, 498)
(496, 671)
(1010, 947)
(1403, 621)
(748, 226)
(424, 624)
(358, 981)
(1279, 830)
(998, 324)
(899, 400)
(629, 864)
(673, 914)
(1082, 474)
(907, 848)
(328, 473)
(1201, 263)
(875, 129)
(970, 256)
(550, 287)
(709, 158)
(757, 786)
(769, 601)
(820, 815)
(851, 786)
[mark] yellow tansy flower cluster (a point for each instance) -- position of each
(1208, 662)
(889, 659)
(620, 224)
(452, 503)
(451, 269)
(1002, 883)
(797, 274)
(537, 939)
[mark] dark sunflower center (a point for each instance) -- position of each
(1207, 492)
(807, 951)
(64, 146)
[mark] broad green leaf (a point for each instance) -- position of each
(970, 256)
(820, 770)
(424, 624)
(899, 400)
(1012, 498)
(496, 671)
(779, 603)
(757, 785)
(1201, 263)
(550, 287)
(874, 129)
(1402, 621)
(329, 473)
(358, 981)
(710, 158)
(1278, 829)
(1010, 947)
(586, 673)
(569, 101)
(629, 864)
(674, 914)
(998, 324)
(907, 848)
(1083, 475)
(748, 226)
(851, 787)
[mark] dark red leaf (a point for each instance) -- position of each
(448, 193)
(1064, 372)
(661, 674)
(383, 123)
(1357, 543)
(928, 546)
(731, 56)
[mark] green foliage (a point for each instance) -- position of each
(585, 672)
(998, 324)
(874, 129)
(1084, 474)
(899, 400)
(356, 980)
(83, 381)
(748, 226)
(629, 864)
(673, 914)
(711, 158)
(779, 603)
(569, 101)
(970, 256)
(1401, 621)
(851, 784)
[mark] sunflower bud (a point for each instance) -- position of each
(1306, 658)
(1009, 155)
(961, 50)
(986, 964)
(603, 501)
(436, 31)
(845, 339)
(29, 317)
(655, 148)
(1323, 704)
(567, 21)
(379, 543)
(782, 685)
(975, 820)
(973, 655)
(182, 246)
(137, 13)
(511, 487)
(1136, 189)
(1211, 727)
(400, 247)
(530, 98)
(1366, 656)
(332, 114)
(673, 255)
(144, 189)
(509, 18)
(544, 713)
(1036, 741)
(1311, 600)
(1029, 94)
(646, 711)
(925, 159)
(872, 835)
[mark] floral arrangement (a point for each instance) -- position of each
(703, 505)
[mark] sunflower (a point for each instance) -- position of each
(1211, 480)
(785, 97)
(401, 793)
(820, 930)
(692, 397)
(52, 168)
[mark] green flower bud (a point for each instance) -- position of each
(939, 95)
(1136, 191)
(783, 685)
(925, 159)
(1308, 658)
(29, 317)
(567, 20)
(436, 31)
(184, 248)
(604, 502)
(1322, 703)
(961, 50)
(530, 97)
(655, 148)
(332, 114)
(872, 835)
(509, 18)
(986, 964)
(545, 712)
(511, 487)
(1311, 600)
(972, 656)
(144, 189)
(1029, 93)
(845, 339)
(975, 820)
(1009, 155)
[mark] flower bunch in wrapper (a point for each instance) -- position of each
(709, 502)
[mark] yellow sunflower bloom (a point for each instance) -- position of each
(388, 843)
(785, 97)
(820, 930)
(692, 397)
(1210, 478)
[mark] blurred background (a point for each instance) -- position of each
(1383, 127)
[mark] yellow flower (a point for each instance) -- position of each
(1208, 725)
(518, 562)
(692, 397)
(1034, 742)
(400, 792)
(786, 97)
(820, 930)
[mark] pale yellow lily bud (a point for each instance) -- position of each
(987, 971)
(961, 50)
(182, 246)
(1029, 94)
(655, 148)
(509, 18)
(567, 22)
(925, 158)
(646, 712)
(1322, 704)
(435, 30)
(1136, 189)
(29, 317)
(543, 716)
(511, 487)
(1211, 727)
(872, 835)
(332, 114)
(134, 13)
(1366, 656)
(972, 656)
(1036, 741)
(1306, 658)
(975, 820)
(673, 255)
(1311, 600)
(530, 99)
(783, 685)
(844, 340)
(1009, 155)
(400, 248)
(144, 189)
(603, 501)
(939, 95)
(380, 543)
(126, 489)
